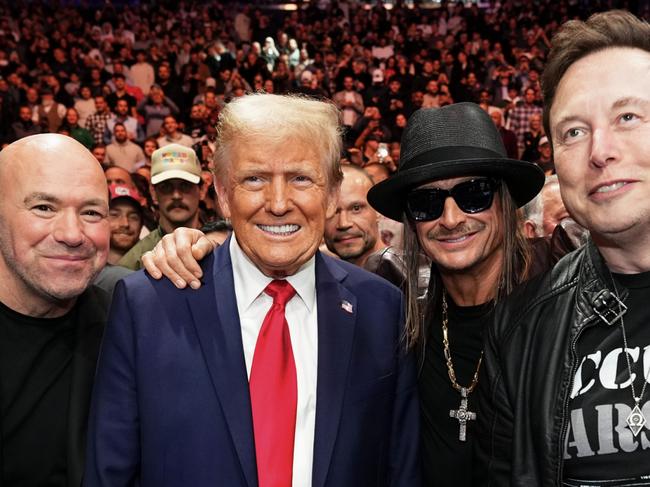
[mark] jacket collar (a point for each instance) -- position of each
(337, 316)
(594, 277)
(214, 310)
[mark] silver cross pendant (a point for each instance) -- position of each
(463, 415)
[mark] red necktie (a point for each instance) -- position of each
(274, 392)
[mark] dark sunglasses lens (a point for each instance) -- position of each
(425, 205)
(474, 196)
(471, 197)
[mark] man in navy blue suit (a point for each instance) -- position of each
(286, 368)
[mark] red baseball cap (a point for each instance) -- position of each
(120, 191)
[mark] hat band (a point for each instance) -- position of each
(452, 153)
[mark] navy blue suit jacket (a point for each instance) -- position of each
(171, 403)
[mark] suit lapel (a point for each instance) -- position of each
(214, 309)
(336, 324)
(91, 317)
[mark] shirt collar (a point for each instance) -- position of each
(254, 281)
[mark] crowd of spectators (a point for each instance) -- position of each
(127, 79)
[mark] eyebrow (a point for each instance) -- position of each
(357, 203)
(620, 103)
(57, 201)
(630, 100)
(41, 197)
(290, 168)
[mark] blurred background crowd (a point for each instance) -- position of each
(127, 78)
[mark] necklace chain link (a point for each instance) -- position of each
(636, 420)
(637, 399)
(447, 352)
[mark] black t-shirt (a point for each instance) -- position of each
(600, 449)
(35, 374)
(447, 461)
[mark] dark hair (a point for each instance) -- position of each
(151, 139)
(577, 39)
(217, 226)
(142, 185)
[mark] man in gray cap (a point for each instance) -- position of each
(176, 180)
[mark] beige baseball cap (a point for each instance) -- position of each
(175, 161)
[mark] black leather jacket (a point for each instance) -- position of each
(528, 368)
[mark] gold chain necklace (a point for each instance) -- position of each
(462, 414)
(450, 364)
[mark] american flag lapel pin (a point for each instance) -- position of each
(347, 306)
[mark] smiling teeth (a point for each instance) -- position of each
(611, 187)
(459, 239)
(280, 229)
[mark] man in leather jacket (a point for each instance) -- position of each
(564, 398)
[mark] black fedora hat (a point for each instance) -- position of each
(453, 141)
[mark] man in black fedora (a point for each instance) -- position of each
(457, 193)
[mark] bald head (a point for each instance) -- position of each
(119, 175)
(357, 175)
(353, 233)
(31, 158)
(54, 232)
(50, 149)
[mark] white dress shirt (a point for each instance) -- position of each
(302, 317)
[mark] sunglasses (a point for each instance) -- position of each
(473, 196)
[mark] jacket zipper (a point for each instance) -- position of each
(585, 325)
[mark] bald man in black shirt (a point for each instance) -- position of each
(54, 240)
